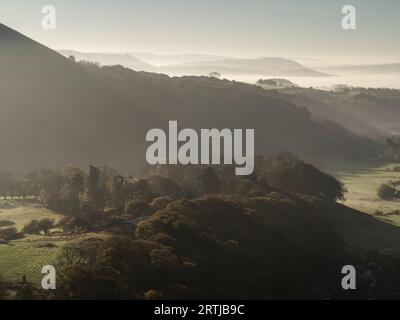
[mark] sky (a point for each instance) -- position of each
(241, 28)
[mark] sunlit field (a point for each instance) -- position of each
(27, 256)
(22, 212)
(362, 181)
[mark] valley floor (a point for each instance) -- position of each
(27, 256)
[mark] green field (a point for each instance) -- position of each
(362, 180)
(27, 256)
(23, 212)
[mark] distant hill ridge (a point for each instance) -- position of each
(55, 111)
(226, 66)
(124, 59)
(262, 66)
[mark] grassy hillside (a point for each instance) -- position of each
(264, 231)
(22, 212)
(59, 111)
(27, 256)
(362, 180)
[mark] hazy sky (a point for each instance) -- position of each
(290, 28)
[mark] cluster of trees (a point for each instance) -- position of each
(210, 247)
(89, 199)
(99, 191)
(209, 233)
(223, 247)
(11, 187)
(286, 172)
(9, 233)
(276, 83)
(39, 226)
(282, 172)
(73, 191)
(207, 223)
(391, 151)
(389, 191)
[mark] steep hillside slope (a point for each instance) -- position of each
(55, 111)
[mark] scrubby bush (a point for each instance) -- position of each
(32, 227)
(74, 224)
(65, 224)
(10, 233)
(6, 223)
(93, 221)
(38, 226)
(160, 203)
(387, 192)
(286, 172)
(45, 225)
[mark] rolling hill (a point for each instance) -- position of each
(196, 64)
(55, 111)
(269, 66)
(168, 59)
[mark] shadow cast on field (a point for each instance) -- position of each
(362, 230)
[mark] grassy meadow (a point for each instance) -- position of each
(22, 212)
(362, 180)
(27, 256)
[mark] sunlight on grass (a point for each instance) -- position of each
(362, 181)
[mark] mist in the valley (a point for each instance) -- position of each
(96, 108)
(77, 190)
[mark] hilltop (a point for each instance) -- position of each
(55, 111)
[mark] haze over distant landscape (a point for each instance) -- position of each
(327, 58)
(121, 135)
(303, 71)
(225, 28)
(188, 38)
